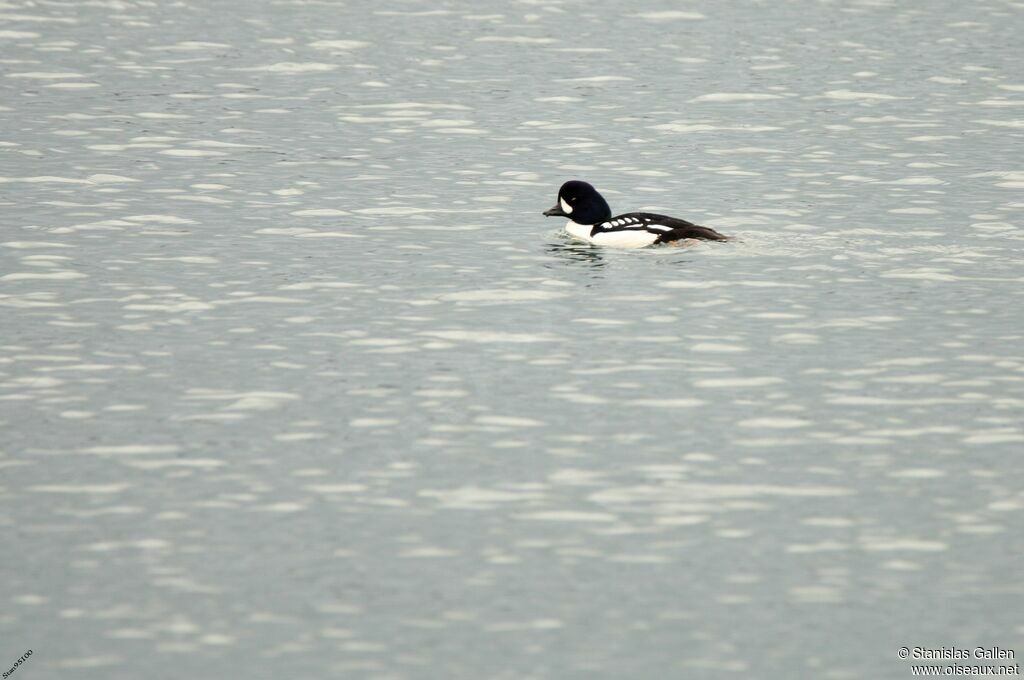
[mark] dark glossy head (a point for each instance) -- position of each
(581, 203)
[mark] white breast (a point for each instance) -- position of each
(580, 231)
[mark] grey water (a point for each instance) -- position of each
(296, 381)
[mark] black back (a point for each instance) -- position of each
(678, 229)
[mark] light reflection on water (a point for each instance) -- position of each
(296, 379)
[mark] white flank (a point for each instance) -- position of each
(629, 238)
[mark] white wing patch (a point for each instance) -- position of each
(635, 223)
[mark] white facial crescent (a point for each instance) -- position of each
(566, 208)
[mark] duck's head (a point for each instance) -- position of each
(581, 203)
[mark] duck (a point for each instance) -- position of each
(590, 220)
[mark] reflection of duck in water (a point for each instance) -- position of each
(577, 254)
(590, 220)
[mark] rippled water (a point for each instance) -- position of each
(296, 381)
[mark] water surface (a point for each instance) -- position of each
(296, 380)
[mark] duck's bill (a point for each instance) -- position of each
(555, 212)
